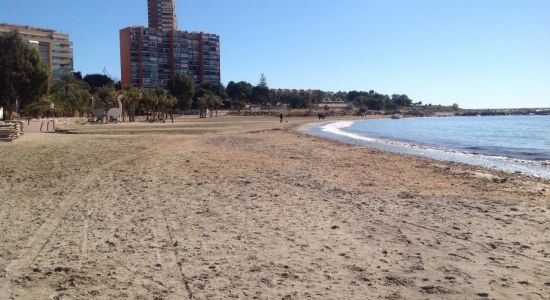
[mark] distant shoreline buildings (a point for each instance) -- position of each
(55, 48)
(151, 55)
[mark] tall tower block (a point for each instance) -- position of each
(162, 15)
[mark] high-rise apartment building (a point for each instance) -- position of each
(150, 56)
(55, 48)
(162, 15)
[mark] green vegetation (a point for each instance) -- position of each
(182, 87)
(71, 95)
(131, 98)
(260, 93)
(240, 94)
(95, 81)
(23, 78)
(375, 101)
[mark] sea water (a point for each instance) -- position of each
(508, 143)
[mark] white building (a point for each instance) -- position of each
(333, 104)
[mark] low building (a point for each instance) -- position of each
(295, 91)
(334, 104)
(55, 48)
(268, 107)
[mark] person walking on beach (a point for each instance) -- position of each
(281, 117)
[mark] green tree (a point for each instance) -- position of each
(401, 100)
(39, 108)
(132, 96)
(216, 88)
(361, 101)
(171, 103)
(148, 101)
(353, 95)
(182, 87)
(214, 103)
(160, 98)
(297, 100)
(456, 107)
(202, 104)
(375, 103)
(240, 93)
(71, 95)
(96, 81)
(23, 77)
(260, 93)
(105, 97)
(263, 81)
(208, 100)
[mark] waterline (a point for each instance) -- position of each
(340, 131)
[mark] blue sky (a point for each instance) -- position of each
(478, 53)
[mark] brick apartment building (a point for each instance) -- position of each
(150, 56)
(55, 48)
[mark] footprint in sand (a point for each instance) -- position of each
(483, 295)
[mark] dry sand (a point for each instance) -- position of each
(230, 208)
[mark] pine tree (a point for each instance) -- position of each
(263, 82)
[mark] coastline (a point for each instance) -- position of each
(246, 207)
(337, 132)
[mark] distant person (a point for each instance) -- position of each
(281, 117)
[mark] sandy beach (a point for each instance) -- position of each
(247, 208)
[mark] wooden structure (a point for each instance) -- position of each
(10, 131)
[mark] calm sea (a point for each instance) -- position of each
(509, 143)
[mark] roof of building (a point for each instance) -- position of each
(27, 27)
(333, 100)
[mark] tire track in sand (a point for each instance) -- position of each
(44, 234)
(174, 246)
(165, 230)
(166, 257)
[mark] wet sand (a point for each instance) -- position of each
(237, 207)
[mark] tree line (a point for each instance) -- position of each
(25, 85)
(243, 93)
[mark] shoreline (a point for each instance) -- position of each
(538, 169)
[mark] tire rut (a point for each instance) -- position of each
(44, 234)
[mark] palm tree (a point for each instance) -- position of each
(132, 96)
(147, 100)
(202, 105)
(214, 102)
(209, 101)
(160, 107)
(71, 94)
(171, 102)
